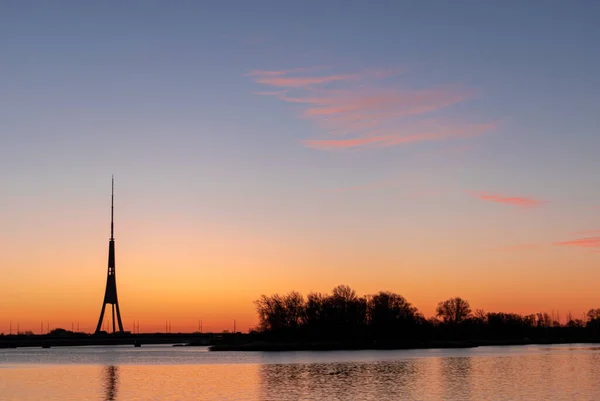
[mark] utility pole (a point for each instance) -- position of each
(234, 326)
(10, 328)
(41, 328)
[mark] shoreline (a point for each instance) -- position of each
(332, 346)
(247, 342)
(81, 339)
(329, 346)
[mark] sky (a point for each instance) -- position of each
(429, 148)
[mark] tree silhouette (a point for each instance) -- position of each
(593, 314)
(271, 313)
(346, 313)
(453, 310)
(387, 319)
(593, 321)
(391, 316)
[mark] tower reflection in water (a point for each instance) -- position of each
(111, 379)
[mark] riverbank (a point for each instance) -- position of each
(246, 342)
(332, 346)
(83, 339)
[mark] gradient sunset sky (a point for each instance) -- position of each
(434, 149)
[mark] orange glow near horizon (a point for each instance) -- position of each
(215, 278)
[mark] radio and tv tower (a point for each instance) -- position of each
(110, 295)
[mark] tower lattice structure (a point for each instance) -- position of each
(110, 294)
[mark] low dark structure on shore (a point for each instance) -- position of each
(64, 338)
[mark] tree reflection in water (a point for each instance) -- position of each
(455, 377)
(111, 378)
(341, 381)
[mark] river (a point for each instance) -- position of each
(125, 373)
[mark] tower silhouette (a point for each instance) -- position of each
(110, 295)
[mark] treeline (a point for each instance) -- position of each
(386, 317)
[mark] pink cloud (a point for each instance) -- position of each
(508, 200)
(373, 116)
(380, 102)
(299, 82)
(275, 73)
(344, 143)
(590, 242)
(391, 139)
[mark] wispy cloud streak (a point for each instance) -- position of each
(589, 242)
(299, 82)
(381, 138)
(508, 200)
(348, 104)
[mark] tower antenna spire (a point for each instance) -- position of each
(112, 207)
(110, 294)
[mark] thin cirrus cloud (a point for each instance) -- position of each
(518, 201)
(588, 242)
(298, 82)
(410, 135)
(352, 112)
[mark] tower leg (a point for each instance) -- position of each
(99, 326)
(119, 318)
(113, 313)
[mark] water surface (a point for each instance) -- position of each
(125, 373)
